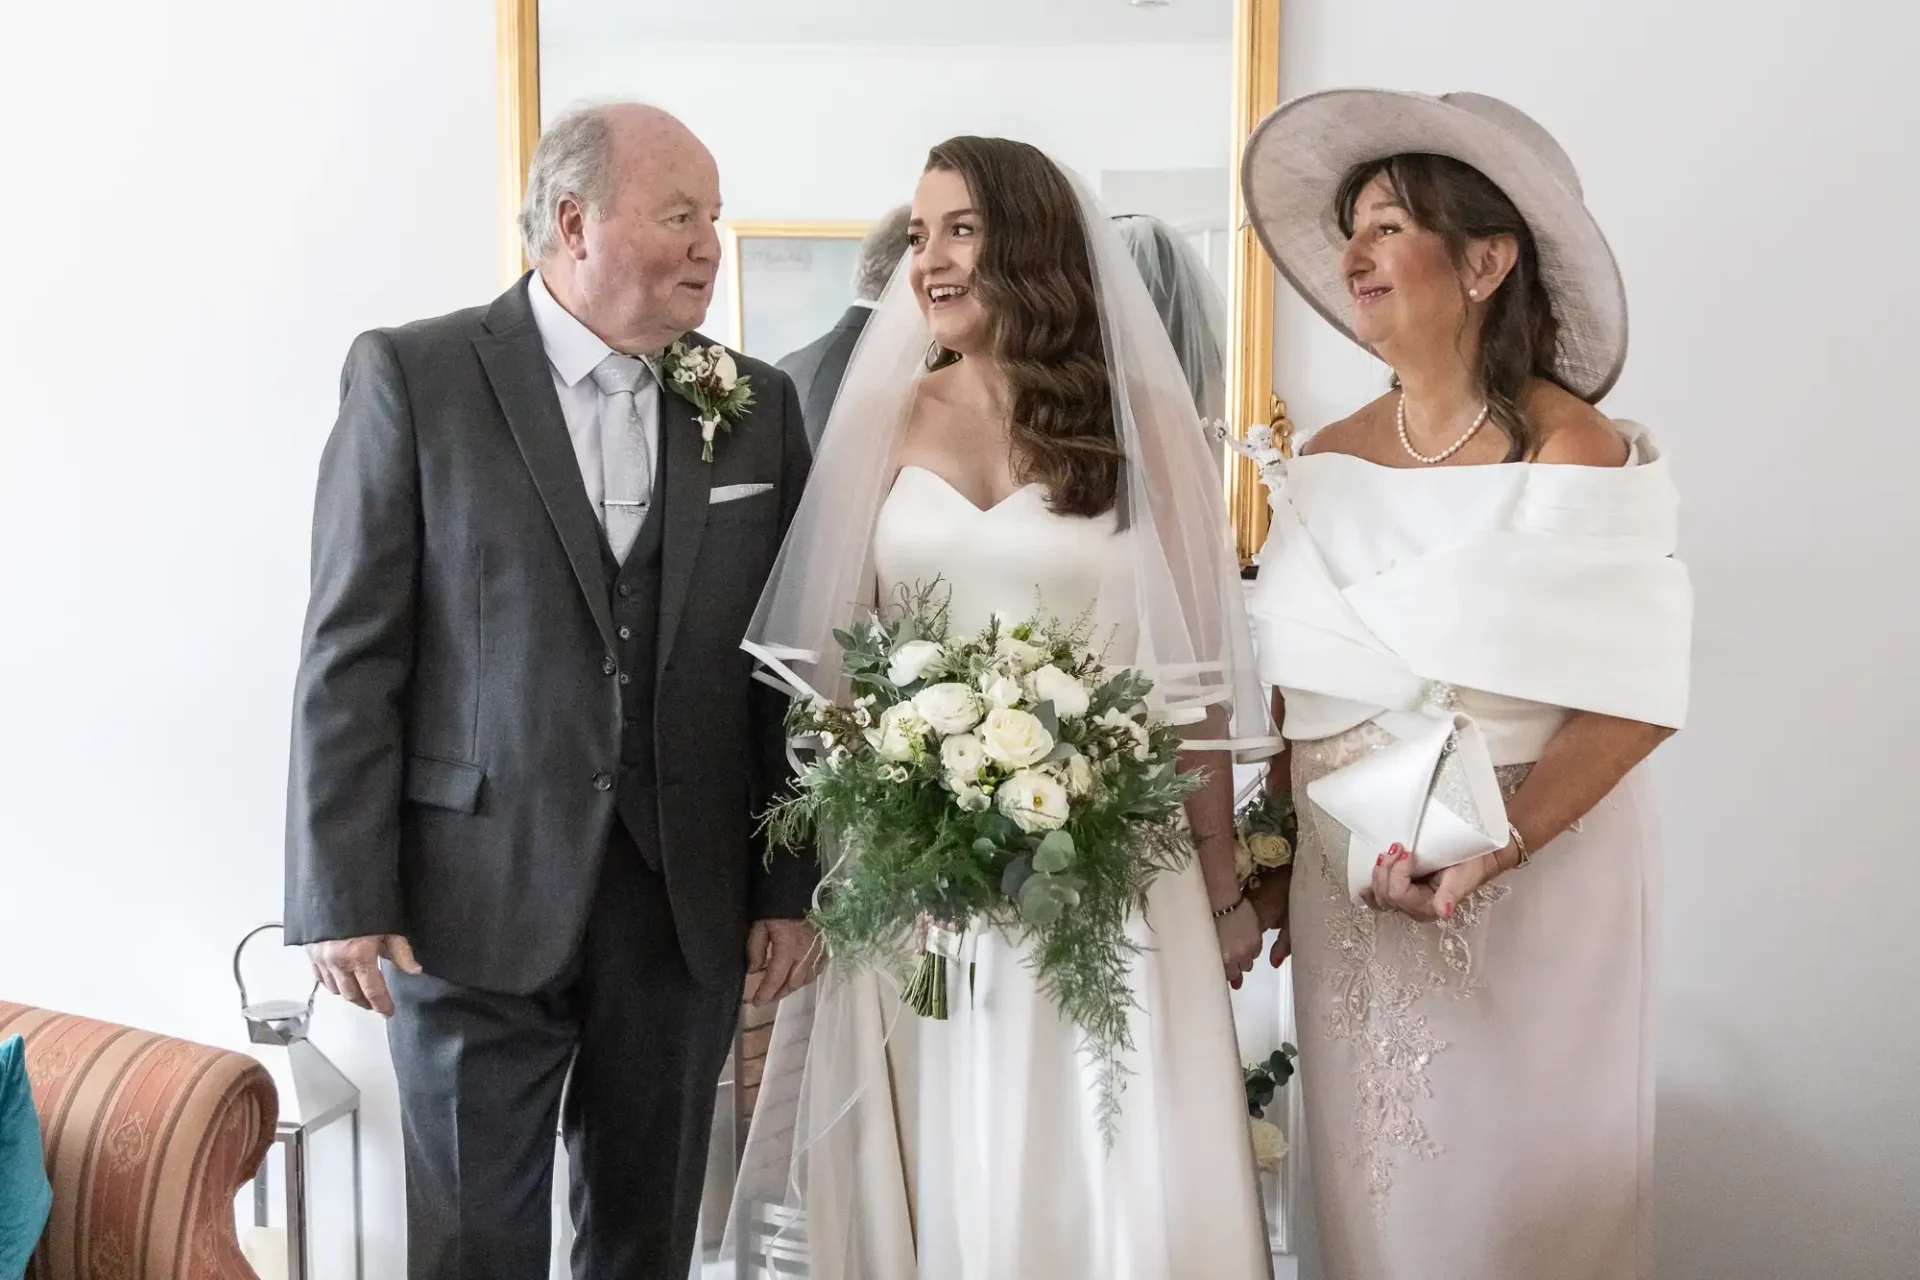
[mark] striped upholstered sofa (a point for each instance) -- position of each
(148, 1142)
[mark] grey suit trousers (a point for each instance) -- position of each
(482, 1077)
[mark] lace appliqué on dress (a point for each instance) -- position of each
(1381, 966)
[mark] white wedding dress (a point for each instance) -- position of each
(1001, 1171)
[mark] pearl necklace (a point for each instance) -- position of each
(1400, 419)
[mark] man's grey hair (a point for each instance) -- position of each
(880, 253)
(574, 158)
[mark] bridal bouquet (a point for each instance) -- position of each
(1006, 780)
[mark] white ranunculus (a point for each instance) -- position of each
(1115, 718)
(1035, 801)
(1014, 738)
(900, 732)
(1269, 1145)
(963, 758)
(1022, 655)
(724, 370)
(999, 690)
(913, 660)
(1068, 696)
(949, 708)
(1078, 775)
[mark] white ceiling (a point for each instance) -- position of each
(915, 24)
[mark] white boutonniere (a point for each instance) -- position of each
(707, 379)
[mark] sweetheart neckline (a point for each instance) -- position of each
(950, 487)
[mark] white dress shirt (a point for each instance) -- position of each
(573, 351)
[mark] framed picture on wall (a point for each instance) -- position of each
(788, 282)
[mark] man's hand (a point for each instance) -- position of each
(350, 968)
(785, 955)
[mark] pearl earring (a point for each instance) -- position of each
(1474, 294)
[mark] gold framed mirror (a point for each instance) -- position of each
(1168, 59)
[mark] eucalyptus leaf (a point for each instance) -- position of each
(1049, 719)
(1055, 853)
(1018, 872)
(1039, 904)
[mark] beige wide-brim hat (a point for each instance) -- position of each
(1299, 155)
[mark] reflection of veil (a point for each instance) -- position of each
(1189, 303)
(823, 1162)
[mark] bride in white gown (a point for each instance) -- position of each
(1015, 425)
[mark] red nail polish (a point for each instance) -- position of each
(1404, 855)
(1446, 909)
(1380, 861)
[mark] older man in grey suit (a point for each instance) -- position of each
(527, 750)
(818, 367)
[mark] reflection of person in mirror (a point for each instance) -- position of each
(816, 369)
(1482, 552)
(1016, 427)
(527, 757)
(1191, 307)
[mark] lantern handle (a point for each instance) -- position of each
(241, 982)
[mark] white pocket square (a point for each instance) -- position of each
(735, 492)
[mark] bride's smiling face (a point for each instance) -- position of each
(945, 236)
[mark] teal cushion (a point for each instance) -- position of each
(25, 1196)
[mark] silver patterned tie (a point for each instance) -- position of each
(625, 459)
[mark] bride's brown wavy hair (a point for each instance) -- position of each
(1035, 280)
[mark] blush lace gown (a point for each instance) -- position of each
(1478, 1096)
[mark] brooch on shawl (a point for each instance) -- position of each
(707, 378)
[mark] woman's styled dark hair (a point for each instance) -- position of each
(1460, 204)
(1035, 279)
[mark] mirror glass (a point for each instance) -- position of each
(821, 114)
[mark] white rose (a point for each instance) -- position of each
(1034, 801)
(1068, 696)
(1014, 738)
(1269, 850)
(1269, 1145)
(724, 370)
(949, 708)
(900, 731)
(1078, 775)
(963, 758)
(1115, 718)
(913, 660)
(1023, 655)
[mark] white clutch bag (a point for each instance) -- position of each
(1433, 793)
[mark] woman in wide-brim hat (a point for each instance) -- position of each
(1471, 614)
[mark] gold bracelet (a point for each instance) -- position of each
(1520, 846)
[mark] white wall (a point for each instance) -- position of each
(207, 199)
(203, 201)
(1753, 169)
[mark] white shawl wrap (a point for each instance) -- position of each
(1476, 645)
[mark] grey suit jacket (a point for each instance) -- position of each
(457, 720)
(818, 368)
